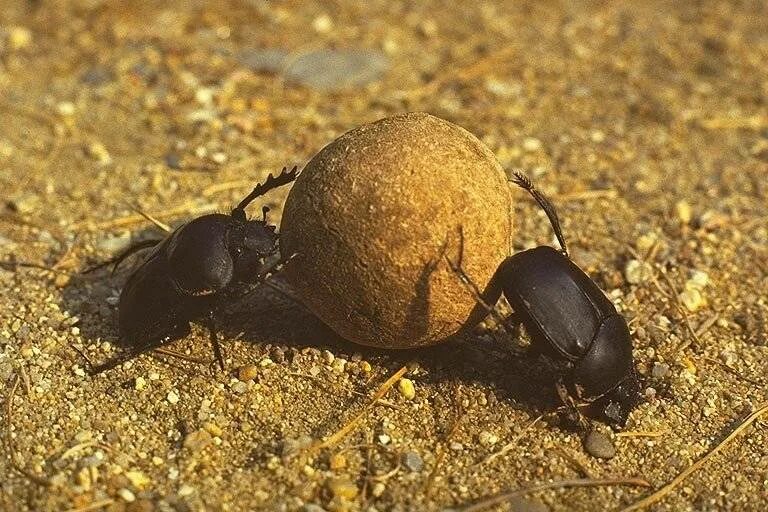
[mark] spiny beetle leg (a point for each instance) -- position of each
(181, 332)
(573, 414)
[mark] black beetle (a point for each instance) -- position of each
(571, 322)
(198, 268)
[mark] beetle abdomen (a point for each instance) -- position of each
(608, 361)
(150, 307)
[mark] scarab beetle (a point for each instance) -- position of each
(198, 268)
(571, 323)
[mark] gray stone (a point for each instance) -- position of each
(523, 504)
(599, 445)
(330, 70)
(263, 60)
(413, 461)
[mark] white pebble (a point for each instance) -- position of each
(173, 396)
(406, 388)
(126, 495)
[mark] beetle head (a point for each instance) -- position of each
(614, 407)
(252, 245)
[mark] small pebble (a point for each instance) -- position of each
(378, 489)
(684, 211)
(342, 488)
(65, 108)
(406, 388)
(138, 479)
(698, 280)
(19, 37)
(487, 438)
(636, 272)
(692, 299)
(139, 383)
(247, 373)
(384, 439)
(323, 24)
(337, 461)
(126, 495)
(599, 445)
(24, 203)
(660, 370)
(239, 387)
(328, 356)
(531, 144)
(172, 397)
(114, 244)
(339, 365)
(186, 490)
(413, 461)
(197, 440)
(98, 152)
(523, 504)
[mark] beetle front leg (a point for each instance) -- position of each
(573, 414)
(179, 332)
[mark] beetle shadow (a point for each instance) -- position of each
(92, 297)
(268, 320)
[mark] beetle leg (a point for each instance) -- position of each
(271, 182)
(523, 181)
(573, 413)
(211, 324)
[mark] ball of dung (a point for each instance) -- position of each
(374, 215)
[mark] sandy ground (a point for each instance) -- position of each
(648, 127)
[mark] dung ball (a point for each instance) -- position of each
(373, 218)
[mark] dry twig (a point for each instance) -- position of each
(349, 426)
(513, 442)
(641, 433)
(93, 506)
(9, 439)
(560, 484)
(661, 493)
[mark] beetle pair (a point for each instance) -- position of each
(570, 321)
(211, 260)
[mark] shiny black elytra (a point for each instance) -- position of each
(198, 268)
(572, 323)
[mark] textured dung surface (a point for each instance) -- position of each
(372, 215)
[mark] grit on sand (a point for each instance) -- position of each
(646, 124)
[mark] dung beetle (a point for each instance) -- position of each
(198, 268)
(571, 323)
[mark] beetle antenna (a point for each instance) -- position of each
(523, 181)
(116, 260)
(271, 182)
